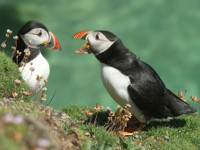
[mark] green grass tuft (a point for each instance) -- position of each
(183, 133)
(75, 112)
(179, 133)
(8, 74)
(99, 137)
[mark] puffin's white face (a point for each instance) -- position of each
(36, 37)
(98, 42)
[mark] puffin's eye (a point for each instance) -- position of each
(40, 33)
(97, 37)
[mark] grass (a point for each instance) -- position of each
(183, 133)
(8, 74)
(180, 133)
(75, 112)
(99, 137)
(13, 135)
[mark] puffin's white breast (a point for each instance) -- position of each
(41, 68)
(117, 84)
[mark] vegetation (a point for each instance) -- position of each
(29, 124)
(179, 133)
(8, 74)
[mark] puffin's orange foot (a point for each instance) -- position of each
(131, 129)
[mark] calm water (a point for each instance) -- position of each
(166, 34)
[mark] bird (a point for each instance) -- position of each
(32, 64)
(130, 80)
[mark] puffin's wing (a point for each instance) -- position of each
(150, 94)
(147, 89)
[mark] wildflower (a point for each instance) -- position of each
(4, 99)
(9, 31)
(13, 48)
(96, 107)
(101, 108)
(11, 99)
(27, 52)
(89, 112)
(32, 69)
(7, 35)
(15, 38)
(108, 109)
(109, 119)
(17, 82)
(44, 97)
(19, 53)
(129, 115)
(111, 114)
(43, 143)
(44, 89)
(26, 93)
(18, 119)
(166, 137)
(84, 111)
(87, 134)
(118, 109)
(8, 118)
(23, 63)
(14, 94)
(38, 78)
(160, 139)
(194, 98)
(180, 94)
(3, 45)
(127, 106)
(48, 113)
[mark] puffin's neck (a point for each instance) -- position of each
(34, 53)
(118, 56)
(21, 46)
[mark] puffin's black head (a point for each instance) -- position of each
(98, 41)
(35, 34)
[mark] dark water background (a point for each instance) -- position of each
(164, 33)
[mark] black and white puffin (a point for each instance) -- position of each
(33, 35)
(130, 80)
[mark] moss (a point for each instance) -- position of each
(101, 137)
(75, 112)
(8, 74)
(183, 133)
(12, 135)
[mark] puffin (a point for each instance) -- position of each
(130, 80)
(32, 64)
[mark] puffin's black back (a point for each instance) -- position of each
(20, 43)
(146, 89)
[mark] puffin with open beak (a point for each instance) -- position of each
(130, 80)
(34, 35)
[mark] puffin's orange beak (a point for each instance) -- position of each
(85, 48)
(81, 35)
(53, 42)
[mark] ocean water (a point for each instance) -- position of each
(165, 34)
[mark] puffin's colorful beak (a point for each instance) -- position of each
(85, 48)
(81, 35)
(53, 42)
